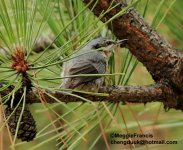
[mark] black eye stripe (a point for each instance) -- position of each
(97, 46)
(108, 42)
(103, 44)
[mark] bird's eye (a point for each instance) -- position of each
(97, 46)
(108, 42)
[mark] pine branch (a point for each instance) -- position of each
(164, 63)
(116, 94)
(135, 94)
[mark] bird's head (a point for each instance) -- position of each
(106, 45)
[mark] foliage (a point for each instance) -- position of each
(78, 125)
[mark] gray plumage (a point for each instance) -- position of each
(87, 61)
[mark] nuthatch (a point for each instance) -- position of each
(88, 60)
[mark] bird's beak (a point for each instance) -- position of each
(110, 48)
(120, 41)
(117, 43)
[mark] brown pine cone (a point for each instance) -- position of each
(27, 127)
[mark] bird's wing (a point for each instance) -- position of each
(85, 67)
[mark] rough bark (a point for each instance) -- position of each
(164, 62)
(133, 94)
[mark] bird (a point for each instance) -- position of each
(91, 59)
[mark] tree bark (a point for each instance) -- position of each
(163, 62)
(134, 94)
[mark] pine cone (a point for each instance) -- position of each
(27, 127)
